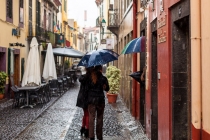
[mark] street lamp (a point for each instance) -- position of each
(103, 24)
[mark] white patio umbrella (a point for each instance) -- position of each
(32, 76)
(49, 71)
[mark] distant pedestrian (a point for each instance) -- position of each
(96, 102)
(83, 102)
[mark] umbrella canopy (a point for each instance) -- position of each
(137, 76)
(98, 57)
(134, 46)
(32, 74)
(49, 71)
(68, 52)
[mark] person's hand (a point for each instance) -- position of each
(104, 86)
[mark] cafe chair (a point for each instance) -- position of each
(19, 97)
(34, 97)
(65, 83)
(53, 87)
(60, 86)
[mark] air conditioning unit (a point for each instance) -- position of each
(17, 31)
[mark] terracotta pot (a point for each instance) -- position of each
(112, 98)
(1, 96)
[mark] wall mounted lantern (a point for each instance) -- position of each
(103, 24)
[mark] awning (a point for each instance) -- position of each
(68, 52)
(134, 46)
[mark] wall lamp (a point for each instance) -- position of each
(17, 44)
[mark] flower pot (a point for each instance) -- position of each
(112, 98)
(1, 96)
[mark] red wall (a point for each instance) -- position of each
(164, 67)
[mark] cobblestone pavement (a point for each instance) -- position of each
(14, 121)
(60, 119)
(118, 124)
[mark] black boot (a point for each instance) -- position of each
(86, 133)
(82, 130)
(92, 138)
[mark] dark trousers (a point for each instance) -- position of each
(96, 111)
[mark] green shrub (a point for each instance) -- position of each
(113, 75)
(3, 77)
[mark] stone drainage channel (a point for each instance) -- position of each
(60, 119)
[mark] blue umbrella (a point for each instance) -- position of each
(134, 46)
(98, 57)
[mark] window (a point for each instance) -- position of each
(65, 3)
(21, 17)
(9, 11)
(49, 22)
(30, 19)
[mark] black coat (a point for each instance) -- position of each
(82, 100)
(96, 91)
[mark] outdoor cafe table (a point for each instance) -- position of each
(27, 89)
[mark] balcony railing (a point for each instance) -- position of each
(42, 34)
(113, 18)
(113, 21)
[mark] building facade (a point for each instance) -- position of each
(173, 103)
(12, 40)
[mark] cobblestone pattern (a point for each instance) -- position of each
(51, 123)
(118, 124)
(15, 120)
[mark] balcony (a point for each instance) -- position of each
(113, 21)
(80, 36)
(42, 34)
(54, 3)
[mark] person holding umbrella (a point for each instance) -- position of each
(82, 101)
(96, 101)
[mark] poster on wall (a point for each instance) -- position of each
(110, 43)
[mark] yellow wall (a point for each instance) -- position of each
(6, 29)
(205, 64)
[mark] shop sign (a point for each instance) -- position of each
(109, 43)
(103, 41)
(60, 39)
(161, 34)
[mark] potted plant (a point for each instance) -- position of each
(3, 77)
(113, 75)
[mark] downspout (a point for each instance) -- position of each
(134, 85)
(196, 91)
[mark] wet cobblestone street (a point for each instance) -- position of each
(60, 119)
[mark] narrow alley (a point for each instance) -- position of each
(60, 119)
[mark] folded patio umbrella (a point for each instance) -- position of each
(49, 71)
(32, 74)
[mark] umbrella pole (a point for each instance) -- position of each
(63, 65)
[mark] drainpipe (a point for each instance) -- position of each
(195, 6)
(134, 85)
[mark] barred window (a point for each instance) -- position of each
(9, 10)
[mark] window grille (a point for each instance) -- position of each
(9, 9)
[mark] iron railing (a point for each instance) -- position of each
(42, 34)
(113, 17)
